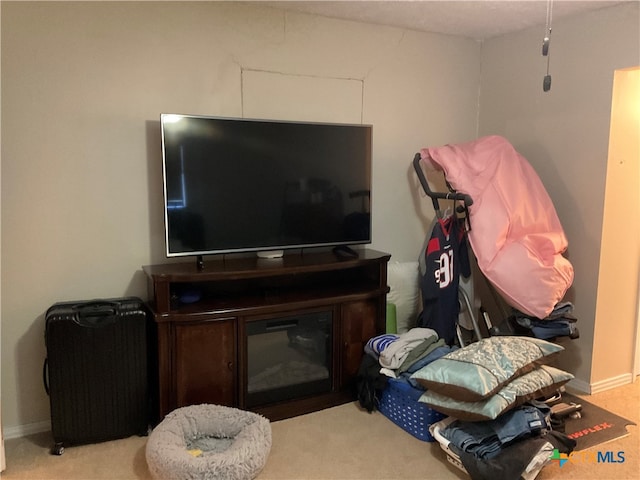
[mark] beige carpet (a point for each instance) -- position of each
(338, 443)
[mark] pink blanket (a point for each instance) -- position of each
(515, 231)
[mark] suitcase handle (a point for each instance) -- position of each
(96, 313)
(45, 376)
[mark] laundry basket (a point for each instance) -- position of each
(399, 403)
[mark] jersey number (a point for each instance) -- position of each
(444, 275)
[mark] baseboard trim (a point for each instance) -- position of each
(602, 385)
(612, 382)
(24, 430)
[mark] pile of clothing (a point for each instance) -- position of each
(396, 356)
(561, 322)
(517, 444)
(491, 391)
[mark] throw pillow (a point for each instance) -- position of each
(481, 369)
(404, 293)
(539, 383)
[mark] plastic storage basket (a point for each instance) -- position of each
(452, 457)
(399, 403)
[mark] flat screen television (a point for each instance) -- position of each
(244, 185)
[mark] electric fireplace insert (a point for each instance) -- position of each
(288, 357)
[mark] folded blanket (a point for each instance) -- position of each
(377, 344)
(515, 233)
(396, 351)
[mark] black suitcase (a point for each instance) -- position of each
(97, 369)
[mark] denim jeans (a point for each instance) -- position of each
(546, 329)
(486, 439)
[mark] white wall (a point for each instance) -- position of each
(2, 456)
(616, 306)
(564, 134)
(83, 85)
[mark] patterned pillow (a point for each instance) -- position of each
(481, 369)
(541, 382)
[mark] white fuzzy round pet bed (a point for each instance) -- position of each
(209, 442)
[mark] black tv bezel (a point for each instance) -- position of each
(266, 251)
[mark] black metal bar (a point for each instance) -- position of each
(453, 195)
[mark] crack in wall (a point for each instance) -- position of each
(309, 75)
(361, 81)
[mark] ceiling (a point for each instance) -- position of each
(478, 19)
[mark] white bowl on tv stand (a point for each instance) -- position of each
(270, 254)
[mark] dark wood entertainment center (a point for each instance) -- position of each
(202, 347)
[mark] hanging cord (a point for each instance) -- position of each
(546, 82)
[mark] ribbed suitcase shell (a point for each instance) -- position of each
(97, 369)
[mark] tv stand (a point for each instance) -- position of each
(344, 251)
(202, 345)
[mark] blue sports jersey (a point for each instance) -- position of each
(446, 258)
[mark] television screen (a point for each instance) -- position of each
(240, 185)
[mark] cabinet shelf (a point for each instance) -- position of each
(262, 303)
